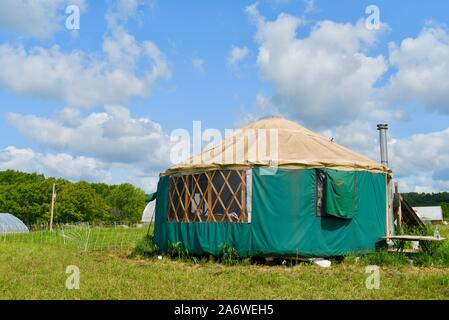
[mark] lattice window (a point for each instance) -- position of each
(213, 196)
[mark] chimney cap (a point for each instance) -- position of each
(382, 126)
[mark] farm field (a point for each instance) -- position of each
(36, 270)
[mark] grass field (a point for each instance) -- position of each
(31, 270)
(82, 237)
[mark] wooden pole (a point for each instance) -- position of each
(399, 215)
(210, 216)
(185, 182)
(243, 201)
(53, 198)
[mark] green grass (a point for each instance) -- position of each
(82, 237)
(37, 271)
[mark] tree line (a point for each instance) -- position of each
(429, 199)
(28, 197)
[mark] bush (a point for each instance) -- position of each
(145, 247)
(177, 251)
(437, 254)
(229, 255)
(445, 208)
(385, 258)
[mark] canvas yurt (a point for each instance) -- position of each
(273, 188)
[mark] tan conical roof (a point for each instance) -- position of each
(277, 142)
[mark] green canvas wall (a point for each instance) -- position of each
(284, 221)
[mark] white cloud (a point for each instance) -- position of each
(112, 137)
(237, 54)
(198, 64)
(35, 18)
(252, 11)
(126, 68)
(265, 105)
(122, 11)
(422, 183)
(421, 153)
(423, 69)
(146, 180)
(309, 6)
(325, 78)
(57, 165)
(82, 80)
(360, 136)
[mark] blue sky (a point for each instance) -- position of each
(99, 103)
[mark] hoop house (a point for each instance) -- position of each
(11, 224)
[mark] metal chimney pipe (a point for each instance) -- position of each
(383, 143)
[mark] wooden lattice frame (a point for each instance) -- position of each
(182, 189)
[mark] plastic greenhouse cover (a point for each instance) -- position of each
(11, 224)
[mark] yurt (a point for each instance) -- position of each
(274, 188)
